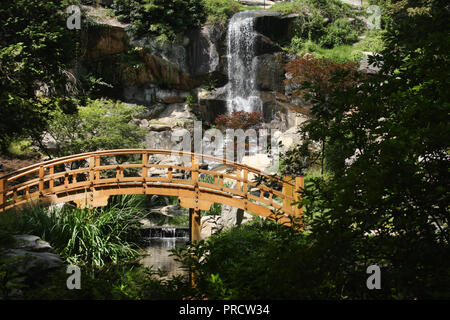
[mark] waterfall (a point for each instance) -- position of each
(241, 38)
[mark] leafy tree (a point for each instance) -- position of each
(101, 124)
(386, 202)
(338, 33)
(35, 48)
(314, 81)
(164, 18)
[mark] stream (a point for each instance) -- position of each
(160, 241)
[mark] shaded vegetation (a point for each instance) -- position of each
(83, 237)
(36, 48)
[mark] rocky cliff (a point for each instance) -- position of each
(144, 71)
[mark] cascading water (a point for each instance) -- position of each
(241, 39)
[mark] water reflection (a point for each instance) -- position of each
(157, 254)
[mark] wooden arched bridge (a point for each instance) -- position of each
(89, 179)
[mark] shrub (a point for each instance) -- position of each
(373, 41)
(101, 124)
(253, 261)
(219, 11)
(191, 99)
(338, 33)
(239, 120)
(85, 237)
(164, 19)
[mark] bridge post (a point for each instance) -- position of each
(299, 186)
(288, 191)
(2, 191)
(194, 225)
(41, 181)
(194, 213)
(144, 170)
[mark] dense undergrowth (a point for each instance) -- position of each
(81, 236)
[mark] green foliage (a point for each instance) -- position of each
(84, 237)
(123, 281)
(93, 86)
(35, 48)
(339, 54)
(165, 19)
(219, 11)
(386, 201)
(323, 28)
(372, 42)
(338, 33)
(332, 9)
(191, 99)
(21, 148)
(253, 261)
(101, 124)
(216, 208)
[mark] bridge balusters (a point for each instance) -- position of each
(221, 182)
(194, 213)
(2, 189)
(245, 182)
(52, 181)
(238, 181)
(91, 170)
(97, 166)
(287, 192)
(41, 181)
(194, 170)
(169, 174)
(66, 180)
(299, 186)
(144, 166)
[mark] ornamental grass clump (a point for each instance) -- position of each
(93, 237)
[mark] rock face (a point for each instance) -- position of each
(194, 69)
(145, 71)
(210, 225)
(33, 255)
(268, 63)
(230, 217)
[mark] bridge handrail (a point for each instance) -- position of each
(83, 156)
(91, 182)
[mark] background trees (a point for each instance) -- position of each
(387, 200)
(99, 125)
(35, 49)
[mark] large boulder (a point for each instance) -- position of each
(33, 263)
(32, 255)
(205, 49)
(31, 243)
(211, 104)
(275, 25)
(231, 217)
(270, 72)
(210, 225)
(169, 211)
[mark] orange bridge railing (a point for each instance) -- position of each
(89, 179)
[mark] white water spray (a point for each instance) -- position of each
(241, 39)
